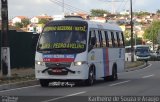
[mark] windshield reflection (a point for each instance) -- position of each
(73, 41)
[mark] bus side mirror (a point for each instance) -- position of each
(93, 40)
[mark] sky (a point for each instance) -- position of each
(32, 8)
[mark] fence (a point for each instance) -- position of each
(22, 48)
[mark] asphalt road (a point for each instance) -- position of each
(142, 82)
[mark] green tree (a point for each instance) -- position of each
(158, 11)
(25, 22)
(127, 34)
(98, 12)
(43, 21)
(141, 13)
(152, 32)
(138, 41)
(18, 25)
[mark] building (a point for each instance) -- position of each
(18, 19)
(36, 19)
(35, 28)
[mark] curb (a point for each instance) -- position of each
(18, 85)
(136, 68)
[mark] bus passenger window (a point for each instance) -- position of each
(92, 37)
(100, 38)
(122, 39)
(110, 39)
(107, 39)
(103, 39)
(113, 39)
(97, 38)
(118, 40)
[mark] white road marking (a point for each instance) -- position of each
(74, 94)
(148, 76)
(18, 88)
(119, 83)
(147, 66)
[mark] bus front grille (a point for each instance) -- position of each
(62, 64)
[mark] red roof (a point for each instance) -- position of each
(43, 17)
(22, 17)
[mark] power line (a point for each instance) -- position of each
(67, 6)
(122, 4)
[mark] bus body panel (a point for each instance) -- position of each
(95, 57)
(116, 56)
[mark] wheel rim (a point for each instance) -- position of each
(115, 74)
(91, 78)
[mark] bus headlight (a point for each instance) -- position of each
(79, 63)
(40, 63)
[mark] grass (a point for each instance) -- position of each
(134, 64)
(18, 75)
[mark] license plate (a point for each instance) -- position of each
(57, 70)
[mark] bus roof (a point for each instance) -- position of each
(92, 24)
(100, 25)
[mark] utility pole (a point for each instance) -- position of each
(131, 23)
(5, 50)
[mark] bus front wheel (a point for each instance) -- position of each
(91, 77)
(44, 82)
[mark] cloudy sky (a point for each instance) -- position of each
(32, 8)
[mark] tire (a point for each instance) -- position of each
(91, 77)
(44, 82)
(114, 75)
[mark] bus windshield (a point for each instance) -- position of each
(142, 50)
(62, 41)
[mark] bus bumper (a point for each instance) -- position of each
(81, 73)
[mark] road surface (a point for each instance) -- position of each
(142, 82)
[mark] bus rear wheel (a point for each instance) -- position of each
(114, 75)
(44, 82)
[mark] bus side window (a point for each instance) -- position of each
(103, 39)
(107, 39)
(97, 38)
(100, 38)
(91, 35)
(110, 39)
(113, 39)
(118, 39)
(122, 39)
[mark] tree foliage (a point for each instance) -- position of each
(98, 12)
(158, 11)
(18, 25)
(43, 21)
(138, 41)
(25, 22)
(141, 13)
(152, 32)
(127, 34)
